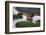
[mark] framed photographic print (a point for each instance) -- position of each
(24, 17)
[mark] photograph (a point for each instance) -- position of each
(24, 17)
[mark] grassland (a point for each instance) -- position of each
(27, 24)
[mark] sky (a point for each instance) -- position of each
(17, 10)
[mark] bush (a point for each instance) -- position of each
(19, 15)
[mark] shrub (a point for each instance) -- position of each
(19, 15)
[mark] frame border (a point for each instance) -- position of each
(7, 17)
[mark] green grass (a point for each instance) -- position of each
(28, 24)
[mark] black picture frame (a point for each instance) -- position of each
(7, 16)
